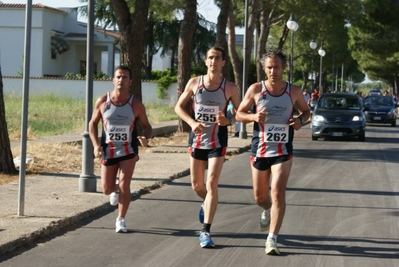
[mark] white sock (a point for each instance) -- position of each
(120, 218)
(272, 236)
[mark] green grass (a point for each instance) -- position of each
(157, 112)
(55, 115)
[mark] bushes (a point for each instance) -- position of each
(164, 79)
(163, 85)
(99, 75)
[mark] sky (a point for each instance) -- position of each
(207, 8)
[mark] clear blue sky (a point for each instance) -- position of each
(206, 7)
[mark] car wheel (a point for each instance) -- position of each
(314, 138)
(362, 137)
(393, 124)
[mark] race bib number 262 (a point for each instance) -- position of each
(276, 133)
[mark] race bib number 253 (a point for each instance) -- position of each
(118, 133)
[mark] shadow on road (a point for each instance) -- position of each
(359, 155)
(381, 248)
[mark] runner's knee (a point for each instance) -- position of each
(197, 187)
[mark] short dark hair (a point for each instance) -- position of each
(272, 54)
(124, 67)
(217, 48)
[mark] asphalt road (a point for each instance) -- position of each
(342, 210)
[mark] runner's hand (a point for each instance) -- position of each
(98, 152)
(143, 141)
(197, 127)
(296, 123)
(222, 120)
(260, 117)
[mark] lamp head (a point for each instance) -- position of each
(321, 52)
(313, 45)
(292, 25)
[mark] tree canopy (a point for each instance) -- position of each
(359, 35)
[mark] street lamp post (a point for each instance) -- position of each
(313, 46)
(322, 53)
(87, 180)
(292, 25)
(243, 128)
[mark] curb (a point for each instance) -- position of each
(63, 225)
(55, 227)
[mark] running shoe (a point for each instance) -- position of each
(120, 226)
(201, 214)
(114, 198)
(264, 222)
(271, 247)
(205, 240)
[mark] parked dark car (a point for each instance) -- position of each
(380, 109)
(338, 115)
(375, 92)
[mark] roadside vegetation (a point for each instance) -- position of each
(55, 115)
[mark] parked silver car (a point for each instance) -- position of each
(338, 115)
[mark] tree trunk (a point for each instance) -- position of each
(6, 159)
(261, 49)
(253, 15)
(186, 35)
(148, 67)
(283, 37)
(221, 33)
(132, 28)
(268, 18)
(235, 59)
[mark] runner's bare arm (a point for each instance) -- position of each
(299, 100)
(140, 110)
(301, 104)
(93, 125)
(233, 96)
(245, 105)
(182, 102)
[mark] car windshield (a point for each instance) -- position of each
(375, 92)
(339, 102)
(379, 101)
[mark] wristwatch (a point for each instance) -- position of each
(300, 118)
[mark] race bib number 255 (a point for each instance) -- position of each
(207, 113)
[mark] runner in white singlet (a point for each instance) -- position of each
(209, 96)
(271, 154)
(118, 111)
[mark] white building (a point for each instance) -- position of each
(58, 42)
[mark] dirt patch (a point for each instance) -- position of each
(67, 158)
